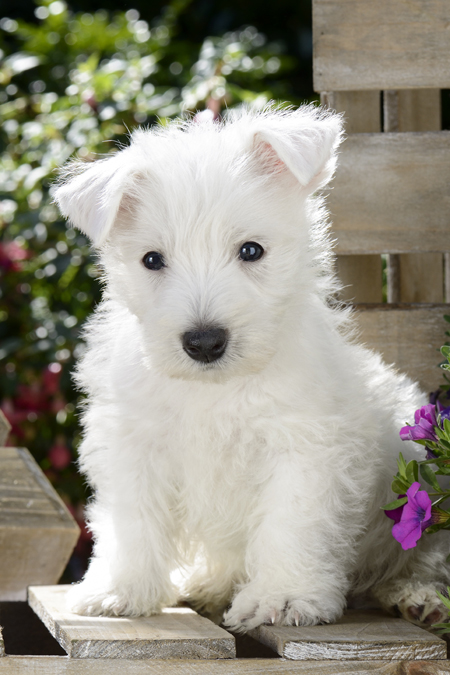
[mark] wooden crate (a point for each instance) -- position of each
(383, 64)
(37, 532)
(360, 643)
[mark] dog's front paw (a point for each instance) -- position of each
(422, 606)
(89, 600)
(249, 611)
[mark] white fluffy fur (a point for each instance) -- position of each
(260, 475)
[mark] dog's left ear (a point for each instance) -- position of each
(303, 141)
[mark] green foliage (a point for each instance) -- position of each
(76, 84)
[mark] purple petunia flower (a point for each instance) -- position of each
(443, 412)
(425, 419)
(412, 518)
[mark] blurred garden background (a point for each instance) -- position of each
(75, 78)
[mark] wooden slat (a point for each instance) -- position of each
(390, 194)
(177, 633)
(369, 635)
(408, 336)
(41, 665)
(412, 110)
(362, 111)
(5, 428)
(420, 276)
(361, 276)
(367, 44)
(37, 532)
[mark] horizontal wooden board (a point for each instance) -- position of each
(60, 665)
(363, 44)
(391, 193)
(177, 633)
(408, 336)
(359, 635)
(37, 532)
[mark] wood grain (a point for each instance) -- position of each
(360, 275)
(359, 635)
(5, 428)
(37, 532)
(420, 276)
(177, 633)
(362, 44)
(390, 194)
(408, 336)
(60, 665)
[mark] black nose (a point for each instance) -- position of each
(205, 345)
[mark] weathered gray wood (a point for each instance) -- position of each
(362, 112)
(420, 276)
(61, 665)
(409, 336)
(362, 44)
(447, 276)
(391, 195)
(412, 110)
(37, 532)
(2, 644)
(359, 635)
(361, 276)
(393, 277)
(5, 428)
(177, 633)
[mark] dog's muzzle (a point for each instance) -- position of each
(205, 345)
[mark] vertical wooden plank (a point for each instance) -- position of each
(415, 277)
(361, 275)
(5, 428)
(447, 276)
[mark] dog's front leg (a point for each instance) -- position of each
(134, 553)
(300, 551)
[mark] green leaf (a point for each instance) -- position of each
(447, 317)
(395, 504)
(399, 486)
(412, 471)
(445, 600)
(429, 477)
(401, 466)
(445, 351)
(445, 366)
(447, 427)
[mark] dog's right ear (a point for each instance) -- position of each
(89, 194)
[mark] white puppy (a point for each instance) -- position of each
(234, 430)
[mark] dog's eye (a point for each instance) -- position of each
(153, 261)
(250, 251)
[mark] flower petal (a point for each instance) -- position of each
(407, 533)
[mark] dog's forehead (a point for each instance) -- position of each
(202, 184)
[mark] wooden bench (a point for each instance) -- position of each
(383, 65)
